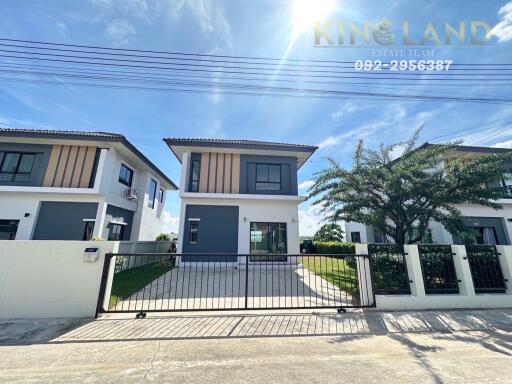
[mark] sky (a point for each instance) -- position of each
(257, 28)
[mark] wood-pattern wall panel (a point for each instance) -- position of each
(70, 166)
(220, 172)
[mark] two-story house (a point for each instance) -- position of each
(239, 196)
(69, 185)
(490, 226)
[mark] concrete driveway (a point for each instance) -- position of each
(413, 347)
(272, 286)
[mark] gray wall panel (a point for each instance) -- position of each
(40, 163)
(61, 220)
(217, 232)
(288, 174)
(119, 215)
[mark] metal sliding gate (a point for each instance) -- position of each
(161, 282)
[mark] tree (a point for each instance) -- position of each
(329, 232)
(402, 196)
(163, 237)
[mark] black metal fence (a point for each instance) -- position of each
(485, 269)
(438, 269)
(389, 267)
(168, 282)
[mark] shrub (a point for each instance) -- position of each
(163, 237)
(334, 247)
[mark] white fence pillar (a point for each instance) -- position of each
(461, 262)
(412, 259)
(505, 257)
(364, 276)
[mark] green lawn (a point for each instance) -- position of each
(335, 271)
(130, 281)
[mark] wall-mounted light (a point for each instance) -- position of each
(245, 219)
(293, 219)
(27, 214)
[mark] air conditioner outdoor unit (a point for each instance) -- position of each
(131, 194)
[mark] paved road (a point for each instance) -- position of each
(419, 347)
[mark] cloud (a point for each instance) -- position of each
(208, 14)
(120, 32)
(394, 117)
(503, 30)
(504, 144)
(347, 108)
(305, 185)
(170, 223)
(310, 220)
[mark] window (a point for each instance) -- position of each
(506, 182)
(194, 176)
(8, 229)
(268, 177)
(88, 230)
(125, 175)
(485, 236)
(161, 195)
(116, 232)
(16, 166)
(355, 237)
(268, 238)
(152, 194)
(192, 236)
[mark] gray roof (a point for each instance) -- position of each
(470, 148)
(84, 135)
(240, 143)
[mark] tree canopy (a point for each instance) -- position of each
(329, 232)
(400, 197)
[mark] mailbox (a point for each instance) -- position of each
(91, 255)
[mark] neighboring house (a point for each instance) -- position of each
(68, 185)
(490, 226)
(239, 196)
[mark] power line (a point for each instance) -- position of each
(176, 60)
(206, 55)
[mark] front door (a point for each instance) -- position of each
(268, 242)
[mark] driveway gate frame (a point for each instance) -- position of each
(358, 266)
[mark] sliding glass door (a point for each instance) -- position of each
(267, 241)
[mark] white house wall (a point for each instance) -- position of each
(442, 236)
(147, 222)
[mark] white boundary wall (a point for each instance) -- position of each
(465, 299)
(42, 279)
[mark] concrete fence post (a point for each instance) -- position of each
(463, 271)
(412, 259)
(505, 257)
(364, 276)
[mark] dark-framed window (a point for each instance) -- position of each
(268, 177)
(8, 229)
(16, 166)
(88, 230)
(116, 232)
(193, 232)
(195, 167)
(126, 175)
(268, 238)
(152, 193)
(162, 195)
(355, 237)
